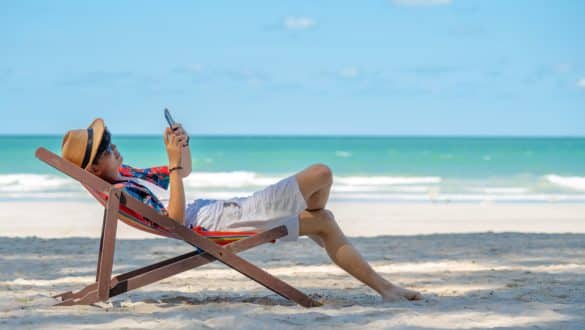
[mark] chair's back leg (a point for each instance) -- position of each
(99, 261)
(108, 245)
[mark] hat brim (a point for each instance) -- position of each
(98, 127)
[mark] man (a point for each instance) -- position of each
(298, 201)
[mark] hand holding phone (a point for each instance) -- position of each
(170, 119)
(174, 126)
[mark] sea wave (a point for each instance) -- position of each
(223, 185)
(241, 179)
(234, 179)
(46, 195)
(500, 190)
(34, 183)
(343, 154)
(462, 197)
(386, 180)
(353, 188)
(571, 182)
(226, 180)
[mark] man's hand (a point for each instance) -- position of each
(174, 143)
(182, 138)
(180, 132)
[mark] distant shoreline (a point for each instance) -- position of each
(358, 136)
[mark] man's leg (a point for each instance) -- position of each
(315, 184)
(322, 224)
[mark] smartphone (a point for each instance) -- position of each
(169, 118)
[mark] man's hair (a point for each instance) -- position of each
(106, 138)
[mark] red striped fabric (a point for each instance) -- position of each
(137, 221)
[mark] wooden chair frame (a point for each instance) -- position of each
(107, 286)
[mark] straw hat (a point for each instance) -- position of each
(80, 145)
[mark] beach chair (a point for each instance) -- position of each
(210, 246)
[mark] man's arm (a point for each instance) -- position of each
(185, 161)
(176, 207)
(185, 151)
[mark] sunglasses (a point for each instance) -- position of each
(108, 149)
(105, 147)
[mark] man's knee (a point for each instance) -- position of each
(326, 221)
(320, 223)
(323, 172)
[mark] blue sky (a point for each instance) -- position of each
(403, 67)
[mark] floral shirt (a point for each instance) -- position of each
(157, 175)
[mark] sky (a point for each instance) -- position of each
(392, 67)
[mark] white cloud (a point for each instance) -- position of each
(421, 2)
(563, 67)
(298, 23)
(189, 69)
(194, 67)
(581, 83)
(349, 72)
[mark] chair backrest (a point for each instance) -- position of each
(100, 190)
(130, 217)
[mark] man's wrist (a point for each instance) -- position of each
(174, 164)
(175, 169)
(175, 161)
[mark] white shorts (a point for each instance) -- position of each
(275, 205)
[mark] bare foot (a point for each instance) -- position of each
(396, 293)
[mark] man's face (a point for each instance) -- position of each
(107, 161)
(110, 160)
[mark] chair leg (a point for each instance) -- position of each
(88, 298)
(152, 273)
(194, 261)
(108, 244)
(225, 256)
(105, 257)
(247, 269)
(118, 281)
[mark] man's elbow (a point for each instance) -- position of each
(185, 172)
(178, 217)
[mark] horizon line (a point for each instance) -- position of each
(318, 135)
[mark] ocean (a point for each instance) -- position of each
(369, 169)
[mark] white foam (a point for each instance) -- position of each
(236, 179)
(343, 154)
(386, 180)
(46, 195)
(571, 182)
(380, 188)
(217, 194)
(223, 185)
(463, 197)
(500, 190)
(33, 182)
(241, 179)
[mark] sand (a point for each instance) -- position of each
(511, 277)
(83, 219)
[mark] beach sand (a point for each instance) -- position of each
(478, 266)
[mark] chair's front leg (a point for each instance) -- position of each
(89, 294)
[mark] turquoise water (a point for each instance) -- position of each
(369, 168)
